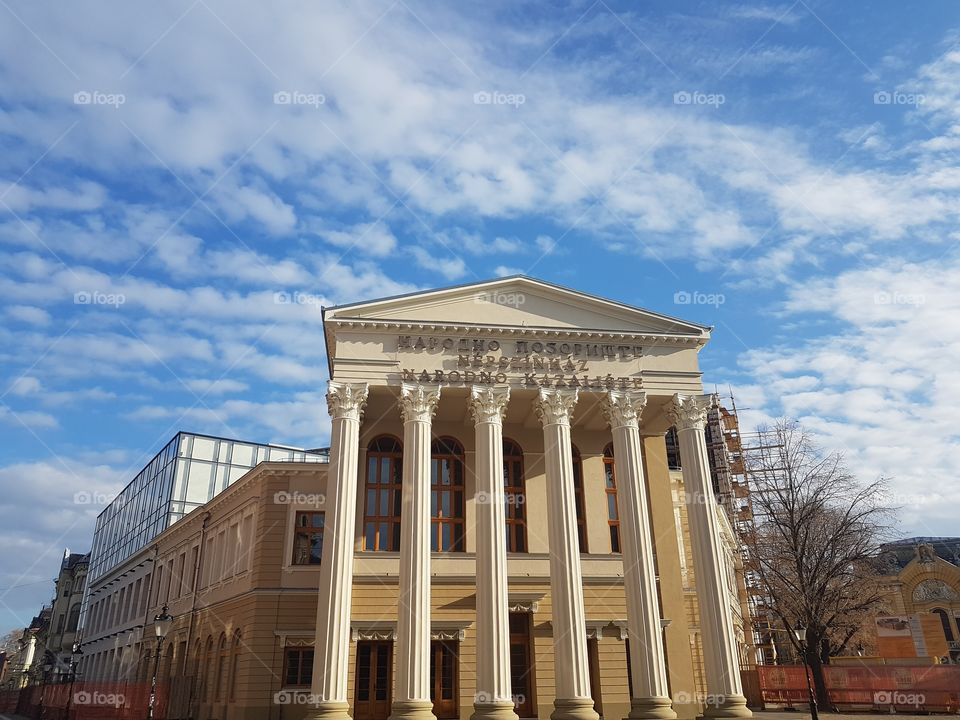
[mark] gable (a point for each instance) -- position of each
(517, 302)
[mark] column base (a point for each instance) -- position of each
(494, 711)
(733, 706)
(412, 710)
(574, 709)
(329, 710)
(651, 708)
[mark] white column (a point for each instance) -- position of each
(494, 698)
(722, 669)
(332, 643)
(573, 702)
(418, 403)
(650, 699)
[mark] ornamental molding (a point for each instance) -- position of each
(621, 625)
(449, 629)
(554, 406)
(623, 408)
(934, 590)
(295, 638)
(528, 602)
(488, 405)
(418, 403)
(595, 628)
(373, 630)
(689, 412)
(647, 338)
(346, 400)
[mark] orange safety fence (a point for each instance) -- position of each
(880, 687)
(86, 701)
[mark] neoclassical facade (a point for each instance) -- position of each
(511, 383)
(503, 530)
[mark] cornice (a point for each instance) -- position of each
(471, 329)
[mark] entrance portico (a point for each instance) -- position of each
(514, 363)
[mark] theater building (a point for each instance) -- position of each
(498, 532)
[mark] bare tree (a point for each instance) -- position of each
(817, 534)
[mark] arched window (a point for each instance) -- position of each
(578, 498)
(220, 666)
(381, 522)
(73, 618)
(613, 513)
(515, 496)
(446, 496)
(207, 669)
(237, 644)
(945, 621)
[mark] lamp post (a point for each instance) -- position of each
(161, 624)
(800, 632)
(74, 652)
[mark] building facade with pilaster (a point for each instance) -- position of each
(498, 532)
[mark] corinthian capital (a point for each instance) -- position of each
(555, 407)
(622, 408)
(346, 400)
(688, 411)
(488, 405)
(418, 402)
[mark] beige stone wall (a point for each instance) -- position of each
(272, 602)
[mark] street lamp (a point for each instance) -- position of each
(161, 625)
(800, 632)
(75, 651)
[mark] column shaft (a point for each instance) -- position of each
(650, 696)
(412, 689)
(332, 642)
(571, 663)
(494, 691)
(721, 664)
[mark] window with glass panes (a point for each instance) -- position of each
(381, 521)
(515, 497)
(308, 538)
(446, 496)
(578, 498)
(613, 513)
(298, 666)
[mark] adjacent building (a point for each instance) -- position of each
(922, 578)
(184, 475)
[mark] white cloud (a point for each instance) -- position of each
(370, 238)
(882, 388)
(450, 268)
(25, 385)
(29, 314)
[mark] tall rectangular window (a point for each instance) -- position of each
(308, 538)
(298, 666)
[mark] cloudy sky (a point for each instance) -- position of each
(784, 172)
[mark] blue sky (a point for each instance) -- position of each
(166, 169)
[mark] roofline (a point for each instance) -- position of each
(194, 434)
(505, 278)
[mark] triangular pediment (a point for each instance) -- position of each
(517, 301)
